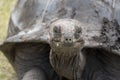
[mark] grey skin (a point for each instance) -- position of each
(73, 61)
(29, 43)
(34, 74)
(66, 43)
(30, 60)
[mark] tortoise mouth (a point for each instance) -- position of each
(68, 44)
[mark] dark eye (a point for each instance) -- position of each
(57, 29)
(57, 33)
(78, 32)
(78, 29)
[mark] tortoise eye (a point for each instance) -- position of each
(57, 29)
(57, 32)
(78, 32)
(78, 29)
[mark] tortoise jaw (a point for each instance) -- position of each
(68, 44)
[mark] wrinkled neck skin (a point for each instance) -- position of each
(68, 62)
(101, 65)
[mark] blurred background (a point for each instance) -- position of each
(6, 70)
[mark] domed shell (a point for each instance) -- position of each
(30, 20)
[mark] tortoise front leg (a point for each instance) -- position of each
(34, 74)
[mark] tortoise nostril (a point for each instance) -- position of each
(68, 40)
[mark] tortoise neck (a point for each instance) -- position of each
(68, 63)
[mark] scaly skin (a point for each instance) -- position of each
(66, 43)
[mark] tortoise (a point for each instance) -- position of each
(64, 39)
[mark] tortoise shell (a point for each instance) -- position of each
(30, 21)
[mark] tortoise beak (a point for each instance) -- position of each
(68, 41)
(68, 44)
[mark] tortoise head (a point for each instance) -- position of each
(66, 33)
